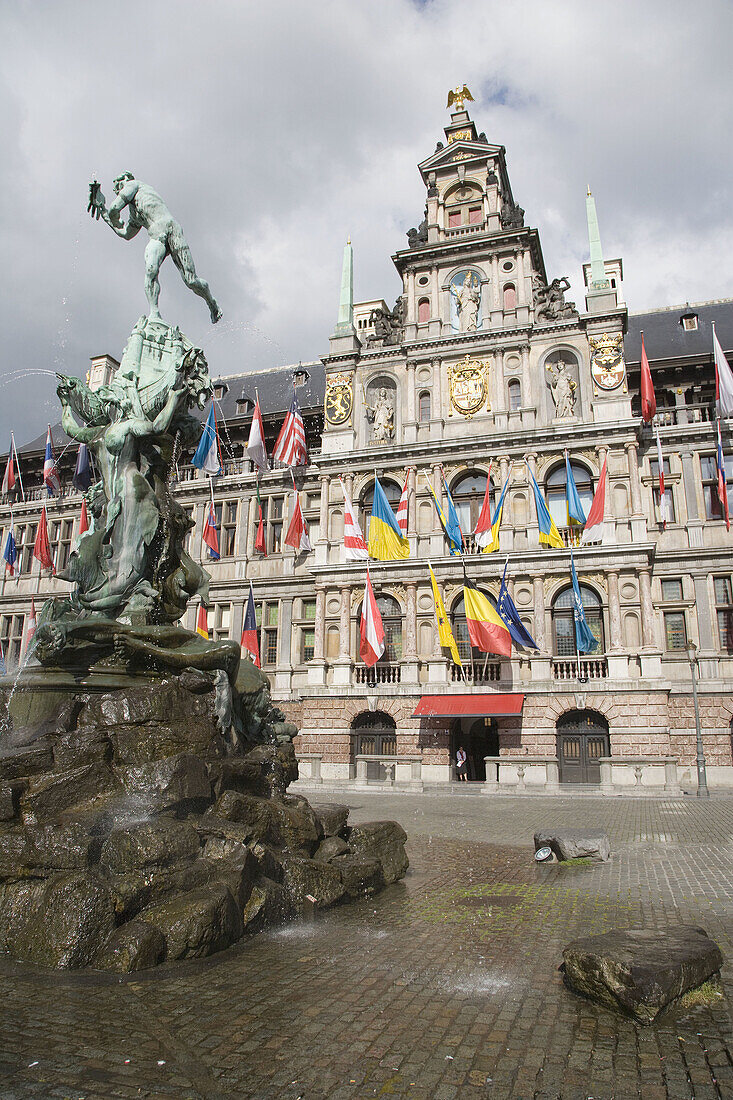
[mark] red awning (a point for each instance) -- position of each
(470, 706)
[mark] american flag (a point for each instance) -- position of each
(290, 448)
(402, 508)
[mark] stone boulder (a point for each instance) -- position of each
(149, 843)
(575, 843)
(332, 817)
(303, 877)
(133, 946)
(49, 795)
(265, 770)
(382, 840)
(16, 763)
(176, 783)
(19, 903)
(361, 875)
(198, 923)
(641, 971)
(330, 847)
(269, 904)
(75, 917)
(36, 851)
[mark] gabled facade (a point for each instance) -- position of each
(483, 369)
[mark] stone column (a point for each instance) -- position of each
(317, 666)
(689, 481)
(438, 486)
(706, 631)
(410, 404)
(496, 302)
(632, 456)
(251, 526)
(506, 527)
(541, 660)
(614, 612)
(412, 501)
(648, 629)
(342, 665)
(322, 543)
(533, 523)
(438, 665)
(409, 669)
(283, 673)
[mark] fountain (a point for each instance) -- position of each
(144, 813)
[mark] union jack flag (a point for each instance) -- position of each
(290, 448)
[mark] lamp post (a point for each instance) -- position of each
(702, 781)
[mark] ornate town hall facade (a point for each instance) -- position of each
(483, 369)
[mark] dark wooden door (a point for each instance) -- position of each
(580, 745)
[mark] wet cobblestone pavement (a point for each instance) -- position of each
(446, 985)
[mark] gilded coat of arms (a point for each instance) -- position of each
(607, 360)
(469, 386)
(339, 402)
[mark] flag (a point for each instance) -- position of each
(256, 442)
(42, 547)
(3, 665)
(210, 536)
(50, 473)
(10, 553)
(30, 625)
(490, 546)
(402, 507)
(486, 628)
(584, 639)
(202, 621)
(83, 518)
(208, 452)
(9, 476)
(595, 526)
(82, 478)
(444, 520)
(297, 535)
(722, 487)
(386, 541)
(648, 400)
(662, 497)
(723, 379)
(482, 531)
(250, 640)
(549, 533)
(355, 549)
(290, 448)
(260, 544)
(510, 616)
(445, 634)
(453, 528)
(575, 508)
(371, 646)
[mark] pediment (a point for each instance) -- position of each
(459, 152)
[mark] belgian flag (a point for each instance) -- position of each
(486, 628)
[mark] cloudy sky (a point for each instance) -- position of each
(275, 130)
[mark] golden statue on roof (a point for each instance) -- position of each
(457, 96)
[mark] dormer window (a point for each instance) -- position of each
(220, 388)
(689, 322)
(464, 206)
(300, 376)
(245, 405)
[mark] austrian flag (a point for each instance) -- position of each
(371, 646)
(402, 507)
(297, 535)
(355, 548)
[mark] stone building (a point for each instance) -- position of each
(482, 369)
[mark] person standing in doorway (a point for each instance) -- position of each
(462, 764)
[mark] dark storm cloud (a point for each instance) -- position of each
(275, 130)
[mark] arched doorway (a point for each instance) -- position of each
(582, 739)
(374, 734)
(480, 738)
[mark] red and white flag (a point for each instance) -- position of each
(722, 486)
(50, 474)
(256, 443)
(297, 535)
(290, 448)
(595, 526)
(355, 548)
(30, 628)
(663, 510)
(42, 547)
(402, 507)
(83, 518)
(648, 399)
(371, 646)
(9, 476)
(483, 534)
(723, 379)
(260, 542)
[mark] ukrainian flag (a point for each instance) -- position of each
(386, 541)
(494, 544)
(549, 533)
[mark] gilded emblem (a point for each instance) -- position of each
(339, 402)
(459, 135)
(469, 386)
(607, 360)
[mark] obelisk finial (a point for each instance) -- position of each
(598, 280)
(345, 323)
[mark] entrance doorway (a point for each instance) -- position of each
(480, 738)
(375, 735)
(582, 739)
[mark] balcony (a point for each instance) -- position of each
(572, 668)
(570, 536)
(379, 674)
(685, 414)
(481, 674)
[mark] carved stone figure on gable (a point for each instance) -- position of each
(387, 325)
(381, 416)
(549, 300)
(416, 237)
(562, 388)
(512, 215)
(467, 297)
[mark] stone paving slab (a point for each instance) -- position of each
(446, 985)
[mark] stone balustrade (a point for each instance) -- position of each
(394, 771)
(521, 775)
(639, 775)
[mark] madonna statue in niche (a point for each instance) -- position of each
(465, 290)
(380, 414)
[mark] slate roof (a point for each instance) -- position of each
(665, 338)
(275, 388)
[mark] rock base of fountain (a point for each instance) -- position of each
(137, 827)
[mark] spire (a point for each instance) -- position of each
(598, 280)
(345, 324)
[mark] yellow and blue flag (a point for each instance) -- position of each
(445, 521)
(445, 634)
(453, 526)
(584, 638)
(507, 609)
(575, 508)
(549, 533)
(494, 543)
(386, 541)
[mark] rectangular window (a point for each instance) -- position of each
(268, 615)
(671, 589)
(724, 611)
(275, 524)
(11, 636)
(675, 631)
(668, 494)
(222, 621)
(454, 218)
(228, 528)
(709, 470)
(309, 610)
(61, 535)
(475, 215)
(29, 539)
(308, 644)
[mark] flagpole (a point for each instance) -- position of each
(17, 463)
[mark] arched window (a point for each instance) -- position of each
(391, 613)
(375, 734)
(468, 497)
(563, 621)
(424, 407)
(514, 393)
(423, 310)
(556, 485)
(510, 296)
(460, 631)
(392, 492)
